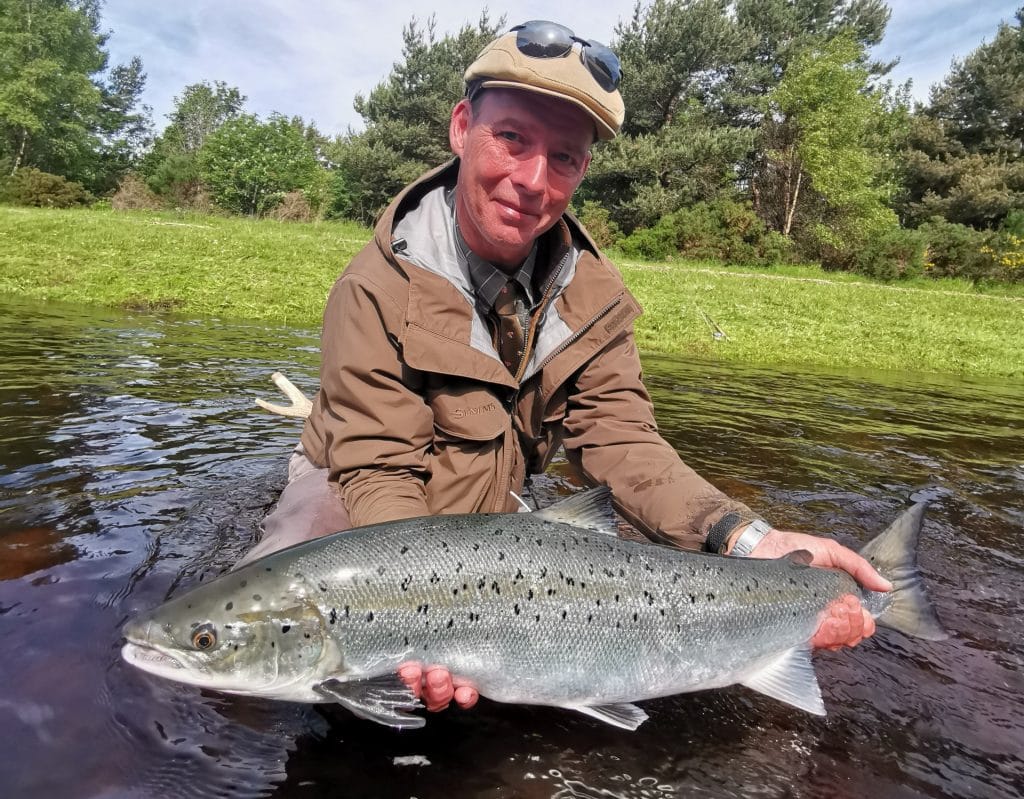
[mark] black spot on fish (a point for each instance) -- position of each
(346, 611)
(334, 615)
(403, 550)
(590, 617)
(458, 567)
(455, 592)
(480, 584)
(495, 587)
(539, 541)
(636, 616)
(381, 570)
(537, 618)
(369, 616)
(529, 594)
(273, 645)
(322, 586)
(515, 608)
(519, 574)
(543, 571)
(236, 647)
(501, 555)
(663, 613)
(616, 597)
(268, 569)
(551, 592)
(598, 601)
(693, 598)
(450, 623)
(405, 583)
(564, 614)
(407, 640)
(306, 635)
(285, 628)
(229, 605)
(257, 597)
(517, 538)
(476, 547)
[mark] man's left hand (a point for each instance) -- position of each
(436, 686)
(846, 622)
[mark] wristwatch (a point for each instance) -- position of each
(750, 538)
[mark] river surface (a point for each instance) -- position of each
(133, 464)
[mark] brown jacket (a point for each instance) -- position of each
(413, 417)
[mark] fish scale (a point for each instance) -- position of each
(546, 608)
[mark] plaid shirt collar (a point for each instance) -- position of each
(488, 280)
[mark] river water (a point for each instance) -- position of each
(133, 464)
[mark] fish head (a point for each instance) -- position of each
(243, 633)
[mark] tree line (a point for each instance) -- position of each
(757, 131)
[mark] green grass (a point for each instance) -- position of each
(196, 265)
(787, 315)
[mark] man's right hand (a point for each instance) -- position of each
(436, 686)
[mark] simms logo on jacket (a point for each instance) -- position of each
(462, 413)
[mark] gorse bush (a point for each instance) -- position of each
(33, 187)
(892, 254)
(723, 230)
(596, 219)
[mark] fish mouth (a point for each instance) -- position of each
(150, 659)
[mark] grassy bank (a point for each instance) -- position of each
(281, 272)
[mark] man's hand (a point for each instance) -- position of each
(846, 622)
(436, 687)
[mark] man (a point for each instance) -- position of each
(482, 328)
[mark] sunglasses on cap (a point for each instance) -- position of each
(542, 39)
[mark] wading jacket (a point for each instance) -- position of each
(416, 414)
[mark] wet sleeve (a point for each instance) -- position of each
(377, 427)
(612, 439)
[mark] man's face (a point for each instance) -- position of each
(523, 155)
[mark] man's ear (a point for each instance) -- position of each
(459, 126)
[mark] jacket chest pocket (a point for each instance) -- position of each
(468, 412)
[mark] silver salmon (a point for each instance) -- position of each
(544, 608)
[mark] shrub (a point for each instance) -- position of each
(956, 250)
(294, 207)
(133, 194)
(892, 254)
(596, 219)
(33, 187)
(723, 230)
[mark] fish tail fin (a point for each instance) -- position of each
(894, 554)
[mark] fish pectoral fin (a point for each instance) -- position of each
(590, 509)
(790, 679)
(381, 699)
(624, 715)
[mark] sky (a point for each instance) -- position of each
(311, 58)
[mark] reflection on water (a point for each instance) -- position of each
(133, 464)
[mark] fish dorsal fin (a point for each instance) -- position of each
(799, 557)
(591, 510)
(790, 679)
(626, 716)
(381, 699)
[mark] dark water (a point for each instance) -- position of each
(133, 464)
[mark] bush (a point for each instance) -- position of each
(596, 219)
(133, 194)
(294, 207)
(722, 230)
(892, 254)
(956, 250)
(33, 187)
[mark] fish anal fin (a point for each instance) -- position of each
(590, 509)
(380, 699)
(791, 679)
(623, 715)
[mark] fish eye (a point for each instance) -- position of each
(204, 638)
